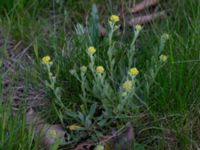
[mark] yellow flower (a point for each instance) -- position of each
(100, 69)
(163, 58)
(99, 147)
(83, 69)
(91, 50)
(74, 127)
(46, 60)
(138, 27)
(52, 133)
(114, 18)
(133, 71)
(128, 85)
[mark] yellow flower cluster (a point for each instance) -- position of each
(99, 147)
(114, 18)
(52, 133)
(100, 69)
(46, 60)
(133, 71)
(163, 58)
(138, 28)
(128, 85)
(91, 50)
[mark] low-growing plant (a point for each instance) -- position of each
(111, 84)
(170, 95)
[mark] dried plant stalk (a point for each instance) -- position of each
(143, 5)
(146, 18)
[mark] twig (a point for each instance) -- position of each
(146, 18)
(143, 5)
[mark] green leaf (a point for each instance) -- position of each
(138, 146)
(81, 116)
(58, 91)
(102, 122)
(88, 121)
(94, 26)
(93, 109)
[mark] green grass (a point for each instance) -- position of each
(14, 132)
(172, 117)
(176, 91)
